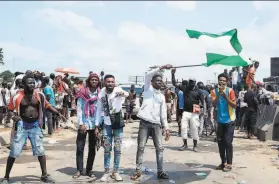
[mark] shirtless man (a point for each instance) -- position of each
(29, 105)
(250, 78)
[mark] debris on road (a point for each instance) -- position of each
(145, 169)
(274, 147)
(194, 165)
(172, 181)
(243, 182)
(206, 145)
(52, 141)
(241, 167)
(126, 144)
(200, 174)
(230, 176)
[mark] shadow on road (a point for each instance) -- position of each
(25, 179)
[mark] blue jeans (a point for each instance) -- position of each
(117, 135)
(33, 132)
(147, 129)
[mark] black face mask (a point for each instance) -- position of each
(192, 84)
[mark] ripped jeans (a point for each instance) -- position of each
(117, 135)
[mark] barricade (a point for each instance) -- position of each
(260, 115)
(268, 123)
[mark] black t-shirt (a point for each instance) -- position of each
(250, 98)
(191, 97)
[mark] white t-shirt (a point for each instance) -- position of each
(7, 97)
(241, 98)
(234, 77)
(114, 104)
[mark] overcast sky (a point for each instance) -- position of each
(125, 38)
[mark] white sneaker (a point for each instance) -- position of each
(116, 176)
(105, 177)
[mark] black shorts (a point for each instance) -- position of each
(66, 101)
(129, 109)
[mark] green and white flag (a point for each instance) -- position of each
(220, 49)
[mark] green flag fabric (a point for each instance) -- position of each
(232, 33)
(218, 59)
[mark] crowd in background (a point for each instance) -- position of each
(60, 91)
(97, 103)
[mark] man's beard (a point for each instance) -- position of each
(110, 89)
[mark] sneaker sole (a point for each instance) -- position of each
(116, 179)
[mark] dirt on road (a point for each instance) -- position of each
(254, 162)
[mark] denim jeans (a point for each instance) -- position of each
(49, 116)
(117, 135)
(225, 132)
(147, 129)
(33, 132)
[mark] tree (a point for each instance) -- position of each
(1, 56)
(7, 76)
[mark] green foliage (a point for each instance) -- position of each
(7, 76)
(1, 56)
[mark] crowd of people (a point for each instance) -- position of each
(37, 100)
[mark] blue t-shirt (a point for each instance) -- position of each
(209, 101)
(225, 113)
(49, 91)
(180, 99)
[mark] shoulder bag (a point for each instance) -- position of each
(116, 119)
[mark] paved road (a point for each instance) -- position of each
(252, 161)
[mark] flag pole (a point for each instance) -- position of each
(186, 66)
(152, 67)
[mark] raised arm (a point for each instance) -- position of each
(148, 78)
(173, 79)
(150, 74)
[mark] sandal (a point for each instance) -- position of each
(136, 176)
(162, 175)
(220, 167)
(227, 168)
(77, 175)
